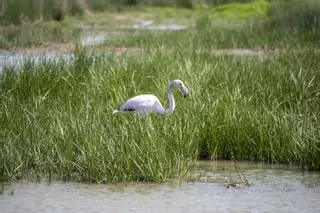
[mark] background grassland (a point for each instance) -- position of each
(35, 35)
(255, 24)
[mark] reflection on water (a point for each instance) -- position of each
(271, 190)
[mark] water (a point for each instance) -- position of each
(17, 59)
(149, 25)
(273, 189)
(90, 39)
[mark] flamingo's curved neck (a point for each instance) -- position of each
(172, 103)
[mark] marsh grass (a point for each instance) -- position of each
(56, 119)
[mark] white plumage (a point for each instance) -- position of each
(145, 104)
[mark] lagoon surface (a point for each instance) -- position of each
(272, 189)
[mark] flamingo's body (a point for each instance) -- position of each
(145, 104)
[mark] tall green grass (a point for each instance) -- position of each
(56, 119)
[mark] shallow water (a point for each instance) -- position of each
(273, 189)
(89, 38)
(17, 59)
(149, 25)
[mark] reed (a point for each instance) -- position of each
(56, 117)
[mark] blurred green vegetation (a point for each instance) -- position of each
(17, 11)
(37, 34)
(255, 8)
(295, 14)
(30, 30)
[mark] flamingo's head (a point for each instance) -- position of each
(180, 85)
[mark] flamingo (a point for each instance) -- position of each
(148, 103)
